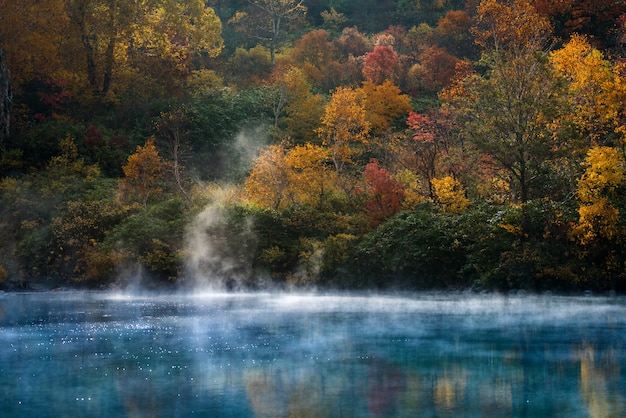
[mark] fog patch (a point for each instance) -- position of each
(220, 242)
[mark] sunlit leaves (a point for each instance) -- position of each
(597, 89)
(604, 173)
(449, 194)
(301, 175)
(383, 103)
(344, 126)
(117, 37)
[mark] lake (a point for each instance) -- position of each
(83, 354)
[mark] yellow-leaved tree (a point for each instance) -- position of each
(383, 103)
(345, 128)
(311, 178)
(268, 182)
(301, 176)
(604, 174)
(449, 194)
(345, 131)
(114, 39)
(596, 88)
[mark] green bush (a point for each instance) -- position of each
(419, 249)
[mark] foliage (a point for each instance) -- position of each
(267, 19)
(441, 144)
(383, 104)
(417, 249)
(596, 89)
(379, 64)
(142, 173)
(344, 126)
(383, 194)
(449, 194)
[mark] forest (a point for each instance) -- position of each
(390, 144)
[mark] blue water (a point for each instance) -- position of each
(268, 355)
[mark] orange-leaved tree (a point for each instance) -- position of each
(143, 173)
(311, 178)
(301, 175)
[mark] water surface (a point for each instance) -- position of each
(269, 355)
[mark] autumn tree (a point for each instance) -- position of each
(596, 90)
(435, 70)
(344, 127)
(113, 33)
(311, 177)
(32, 35)
(296, 109)
(430, 148)
(345, 130)
(266, 20)
(452, 33)
(383, 194)
(604, 175)
(300, 176)
(600, 228)
(504, 112)
(383, 104)
(317, 56)
(449, 194)
(268, 182)
(380, 64)
(143, 173)
(510, 28)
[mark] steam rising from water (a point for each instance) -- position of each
(211, 264)
(216, 257)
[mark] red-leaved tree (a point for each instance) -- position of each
(384, 194)
(379, 64)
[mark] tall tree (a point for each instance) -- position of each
(505, 111)
(344, 126)
(266, 20)
(345, 130)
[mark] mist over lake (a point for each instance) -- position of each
(278, 355)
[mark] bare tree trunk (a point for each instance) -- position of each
(6, 99)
